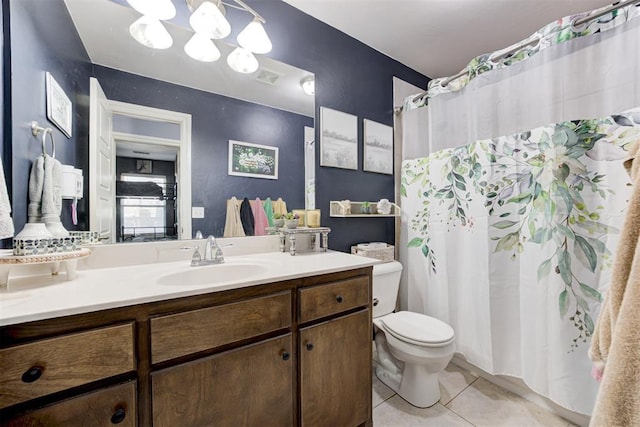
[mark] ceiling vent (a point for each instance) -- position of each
(268, 77)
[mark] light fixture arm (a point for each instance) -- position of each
(249, 9)
(194, 4)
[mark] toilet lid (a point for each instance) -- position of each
(418, 328)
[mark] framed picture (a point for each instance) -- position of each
(253, 160)
(144, 166)
(338, 139)
(378, 147)
(58, 106)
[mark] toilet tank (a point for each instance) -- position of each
(386, 281)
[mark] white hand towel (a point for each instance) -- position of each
(52, 190)
(6, 224)
(36, 182)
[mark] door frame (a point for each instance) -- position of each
(183, 160)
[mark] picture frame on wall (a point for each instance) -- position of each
(253, 160)
(378, 147)
(338, 139)
(59, 107)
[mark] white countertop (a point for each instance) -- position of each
(30, 298)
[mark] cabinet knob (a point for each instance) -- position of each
(339, 298)
(285, 355)
(32, 374)
(118, 416)
(309, 346)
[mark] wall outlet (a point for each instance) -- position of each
(197, 212)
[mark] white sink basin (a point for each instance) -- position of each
(212, 274)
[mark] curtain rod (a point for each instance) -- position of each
(578, 22)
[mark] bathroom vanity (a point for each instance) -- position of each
(288, 346)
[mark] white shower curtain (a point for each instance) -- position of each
(512, 193)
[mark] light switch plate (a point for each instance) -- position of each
(197, 212)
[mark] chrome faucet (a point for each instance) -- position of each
(212, 254)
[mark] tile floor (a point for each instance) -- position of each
(467, 400)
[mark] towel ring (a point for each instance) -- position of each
(35, 130)
(44, 141)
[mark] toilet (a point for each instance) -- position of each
(412, 348)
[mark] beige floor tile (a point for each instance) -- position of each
(485, 404)
(396, 412)
(380, 391)
(453, 380)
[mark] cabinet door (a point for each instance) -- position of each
(249, 386)
(335, 364)
(113, 405)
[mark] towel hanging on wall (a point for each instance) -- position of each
(6, 224)
(246, 216)
(233, 223)
(259, 217)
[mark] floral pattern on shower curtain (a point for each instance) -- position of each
(528, 223)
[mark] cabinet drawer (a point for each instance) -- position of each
(185, 333)
(113, 405)
(55, 364)
(331, 298)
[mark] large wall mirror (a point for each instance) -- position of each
(267, 107)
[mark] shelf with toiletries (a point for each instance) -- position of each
(350, 209)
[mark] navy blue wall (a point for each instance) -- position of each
(216, 119)
(350, 77)
(43, 38)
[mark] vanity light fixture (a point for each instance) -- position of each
(150, 32)
(202, 48)
(208, 19)
(254, 38)
(308, 85)
(242, 61)
(159, 9)
(208, 22)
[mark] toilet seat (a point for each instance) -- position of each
(418, 329)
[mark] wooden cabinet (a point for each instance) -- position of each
(111, 406)
(249, 386)
(290, 353)
(47, 366)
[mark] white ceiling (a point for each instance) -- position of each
(439, 37)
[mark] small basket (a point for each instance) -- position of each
(383, 254)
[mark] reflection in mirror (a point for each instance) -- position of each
(267, 107)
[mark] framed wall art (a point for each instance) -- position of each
(253, 160)
(378, 147)
(59, 107)
(338, 139)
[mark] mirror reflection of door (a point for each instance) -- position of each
(139, 174)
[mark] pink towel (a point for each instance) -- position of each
(260, 217)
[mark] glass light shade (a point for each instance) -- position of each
(208, 20)
(242, 61)
(150, 32)
(308, 85)
(159, 9)
(202, 48)
(254, 38)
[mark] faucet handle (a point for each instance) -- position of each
(198, 234)
(196, 258)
